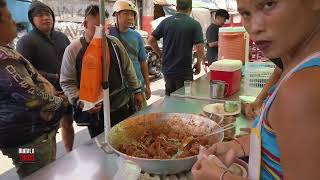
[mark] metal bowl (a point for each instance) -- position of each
(130, 129)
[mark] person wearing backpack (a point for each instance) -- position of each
(122, 76)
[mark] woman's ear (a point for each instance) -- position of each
(85, 24)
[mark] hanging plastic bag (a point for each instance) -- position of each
(91, 92)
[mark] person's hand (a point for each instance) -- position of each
(47, 116)
(148, 92)
(48, 88)
(56, 78)
(64, 98)
(252, 110)
(59, 93)
(157, 54)
(211, 166)
(138, 99)
(96, 109)
(197, 68)
(227, 152)
(206, 168)
(107, 26)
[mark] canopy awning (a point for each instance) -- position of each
(230, 5)
(195, 3)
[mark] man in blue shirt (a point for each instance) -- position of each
(125, 12)
(180, 33)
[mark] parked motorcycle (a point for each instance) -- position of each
(153, 61)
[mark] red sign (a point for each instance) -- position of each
(26, 155)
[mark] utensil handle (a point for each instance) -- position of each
(229, 125)
(228, 128)
(224, 129)
(104, 146)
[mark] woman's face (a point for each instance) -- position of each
(279, 27)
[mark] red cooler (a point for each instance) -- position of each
(228, 71)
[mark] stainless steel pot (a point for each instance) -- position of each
(217, 89)
(127, 131)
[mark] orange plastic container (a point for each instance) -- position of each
(233, 43)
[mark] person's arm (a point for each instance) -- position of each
(200, 52)
(52, 77)
(198, 41)
(127, 66)
(272, 81)
(200, 56)
(145, 73)
(28, 88)
(155, 36)
(154, 45)
(294, 116)
(213, 44)
(252, 110)
(144, 68)
(68, 74)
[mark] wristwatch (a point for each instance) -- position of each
(137, 91)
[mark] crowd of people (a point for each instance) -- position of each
(40, 83)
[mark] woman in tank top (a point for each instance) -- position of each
(285, 139)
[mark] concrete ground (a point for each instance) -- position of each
(8, 171)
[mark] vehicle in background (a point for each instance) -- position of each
(19, 11)
(153, 61)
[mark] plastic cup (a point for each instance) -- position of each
(187, 87)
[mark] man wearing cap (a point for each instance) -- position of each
(125, 13)
(29, 110)
(44, 48)
(122, 76)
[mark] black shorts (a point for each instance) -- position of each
(175, 83)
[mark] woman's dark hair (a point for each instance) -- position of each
(184, 5)
(93, 10)
(3, 4)
(222, 13)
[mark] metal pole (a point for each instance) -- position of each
(105, 85)
(138, 16)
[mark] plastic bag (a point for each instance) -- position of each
(127, 170)
(91, 92)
